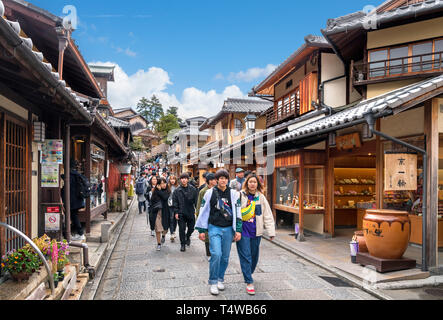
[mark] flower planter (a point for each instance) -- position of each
(61, 275)
(20, 277)
(387, 233)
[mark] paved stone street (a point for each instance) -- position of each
(136, 271)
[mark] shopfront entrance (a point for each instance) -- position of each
(14, 177)
(354, 191)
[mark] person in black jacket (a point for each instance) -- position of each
(160, 216)
(151, 218)
(185, 202)
(77, 201)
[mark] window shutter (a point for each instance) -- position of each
(308, 92)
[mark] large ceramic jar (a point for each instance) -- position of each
(387, 233)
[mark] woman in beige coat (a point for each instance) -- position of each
(257, 218)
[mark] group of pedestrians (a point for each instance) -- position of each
(227, 212)
(226, 215)
(168, 204)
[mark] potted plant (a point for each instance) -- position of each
(56, 279)
(62, 262)
(21, 264)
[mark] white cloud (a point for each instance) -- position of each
(127, 90)
(250, 75)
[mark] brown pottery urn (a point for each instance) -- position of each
(387, 233)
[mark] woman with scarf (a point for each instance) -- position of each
(257, 218)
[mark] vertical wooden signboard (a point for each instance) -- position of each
(400, 172)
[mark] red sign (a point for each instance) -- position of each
(53, 209)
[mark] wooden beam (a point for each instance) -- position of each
(432, 148)
(380, 167)
(330, 181)
(301, 236)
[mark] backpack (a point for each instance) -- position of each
(84, 187)
(140, 187)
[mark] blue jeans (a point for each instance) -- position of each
(220, 242)
(141, 205)
(248, 251)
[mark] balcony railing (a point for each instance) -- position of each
(377, 71)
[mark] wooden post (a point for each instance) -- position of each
(2, 186)
(329, 193)
(432, 148)
(301, 236)
(379, 169)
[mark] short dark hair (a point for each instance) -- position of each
(205, 174)
(209, 177)
(184, 176)
(222, 173)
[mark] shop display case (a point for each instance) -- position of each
(97, 177)
(313, 188)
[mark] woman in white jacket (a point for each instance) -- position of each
(256, 218)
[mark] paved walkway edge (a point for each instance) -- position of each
(92, 287)
(342, 275)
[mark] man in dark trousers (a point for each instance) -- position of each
(185, 203)
(77, 200)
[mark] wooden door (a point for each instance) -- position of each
(14, 166)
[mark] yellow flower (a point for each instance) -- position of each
(3, 265)
(15, 262)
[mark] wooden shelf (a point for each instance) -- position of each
(354, 195)
(282, 207)
(355, 184)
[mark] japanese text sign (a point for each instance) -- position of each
(400, 172)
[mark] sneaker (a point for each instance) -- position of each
(173, 237)
(183, 248)
(220, 286)
(78, 237)
(159, 247)
(152, 233)
(250, 290)
(163, 239)
(214, 290)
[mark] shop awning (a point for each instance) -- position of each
(389, 103)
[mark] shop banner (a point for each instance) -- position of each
(400, 172)
(52, 152)
(50, 176)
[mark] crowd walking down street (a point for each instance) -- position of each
(136, 271)
(146, 267)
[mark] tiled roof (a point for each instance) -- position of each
(15, 31)
(256, 106)
(377, 105)
(358, 20)
(117, 123)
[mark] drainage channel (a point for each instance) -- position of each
(92, 287)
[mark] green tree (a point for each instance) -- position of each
(151, 109)
(174, 112)
(137, 145)
(166, 124)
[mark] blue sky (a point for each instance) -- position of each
(204, 45)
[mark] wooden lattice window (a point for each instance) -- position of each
(14, 208)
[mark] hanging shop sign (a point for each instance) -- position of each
(400, 172)
(52, 152)
(349, 141)
(50, 175)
